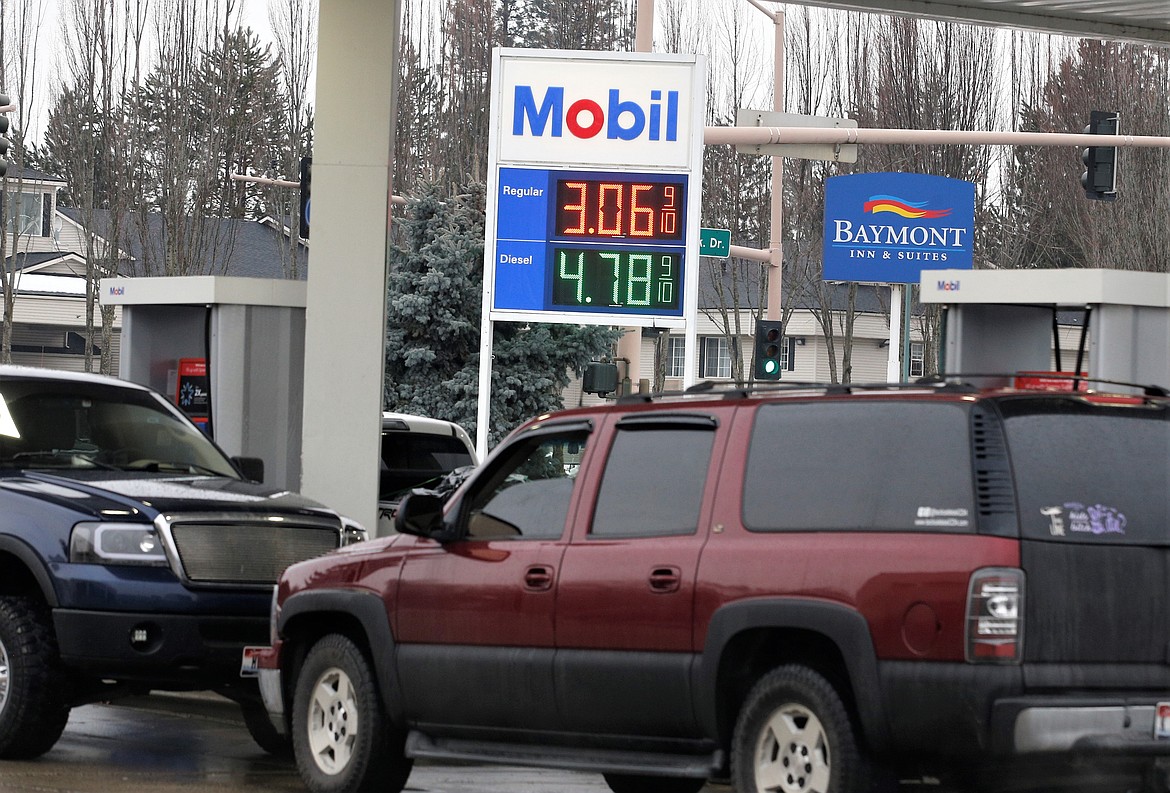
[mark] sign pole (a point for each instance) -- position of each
(893, 368)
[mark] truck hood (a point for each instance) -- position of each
(101, 493)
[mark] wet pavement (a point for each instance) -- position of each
(197, 742)
(167, 744)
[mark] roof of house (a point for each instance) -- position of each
(251, 248)
(17, 172)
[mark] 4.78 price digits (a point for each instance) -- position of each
(590, 278)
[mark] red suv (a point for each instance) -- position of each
(800, 588)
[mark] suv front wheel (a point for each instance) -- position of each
(794, 736)
(342, 741)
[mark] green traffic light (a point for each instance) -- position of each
(770, 367)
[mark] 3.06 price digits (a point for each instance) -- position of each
(643, 210)
(626, 279)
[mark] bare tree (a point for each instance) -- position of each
(920, 74)
(20, 24)
(1048, 220)
(294, 25)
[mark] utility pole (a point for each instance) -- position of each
(629, 346)
(776, 213)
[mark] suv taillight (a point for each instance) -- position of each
(995, 616)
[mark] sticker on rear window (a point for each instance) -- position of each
(939, 516)
(1073, 517)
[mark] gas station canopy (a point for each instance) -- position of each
(1146, 21)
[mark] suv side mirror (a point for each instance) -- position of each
(420, 514)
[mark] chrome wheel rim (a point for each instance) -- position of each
(792, 753)
(333, 722)
(5, 676)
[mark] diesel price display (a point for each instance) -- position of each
(590, 242)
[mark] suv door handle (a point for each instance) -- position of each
(665, 579)
(538, 578)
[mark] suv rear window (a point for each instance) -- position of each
(1090, 473)
(861, 465)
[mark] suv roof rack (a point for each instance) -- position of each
(731, 391)
(949, 383)
(1075, 380)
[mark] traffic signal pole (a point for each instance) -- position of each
(952, 137)
(845, 136)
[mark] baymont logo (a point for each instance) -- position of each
(948, 286)
(622, 119)
(117, 290)
(907, 209)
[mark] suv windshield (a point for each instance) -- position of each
(50, 425)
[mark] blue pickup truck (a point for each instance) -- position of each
(135, 555)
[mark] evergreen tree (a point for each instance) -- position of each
(433, 320)
(242, 78)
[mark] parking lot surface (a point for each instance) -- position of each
(170, 743)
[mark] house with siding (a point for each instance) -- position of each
(46, 259)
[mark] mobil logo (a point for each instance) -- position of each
(549, 113)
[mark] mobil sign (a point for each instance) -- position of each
(629, 110)
(889, 227)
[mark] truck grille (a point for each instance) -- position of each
(247, 553)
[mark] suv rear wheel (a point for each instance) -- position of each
(794, 736)
(340, 735)
(33, 708)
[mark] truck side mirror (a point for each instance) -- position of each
(252, 468)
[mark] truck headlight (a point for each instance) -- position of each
(352, 531)
(116, 543)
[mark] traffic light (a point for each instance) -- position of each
(1100, 176)
(768, 347)
(5, 142)
(306, 178)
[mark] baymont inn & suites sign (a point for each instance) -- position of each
(888, 227)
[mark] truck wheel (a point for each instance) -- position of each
(794, 736)
(341, 738)
(33, 705)
(263, 732)
(631, 783)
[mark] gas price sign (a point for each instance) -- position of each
(592, 242)
(593, 205)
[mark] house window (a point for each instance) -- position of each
(788, 354)
(917, 359)
(716, 357)
(676, 356)
(25, 213)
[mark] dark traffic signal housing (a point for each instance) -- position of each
(306, 180)
(769, 333)
(5, 141)
(1100, 176)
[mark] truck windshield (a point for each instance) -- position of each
(51, 425)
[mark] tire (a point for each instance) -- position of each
(632, 783)
(794, 736)
(341, 738)
(33, 688)
(263, 732)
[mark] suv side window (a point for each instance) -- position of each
(527, 494)
(872, 465)
(654, 478)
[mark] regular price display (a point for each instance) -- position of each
(601, 279)
(617, 208)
